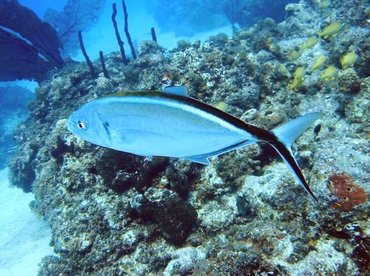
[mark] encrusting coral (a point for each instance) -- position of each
(348, 194)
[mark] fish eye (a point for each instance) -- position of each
(81, 125)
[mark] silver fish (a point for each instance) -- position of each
(172, 124)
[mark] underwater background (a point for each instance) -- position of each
(68, 207)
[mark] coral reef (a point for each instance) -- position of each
(113, 213)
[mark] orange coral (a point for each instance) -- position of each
(348, 193)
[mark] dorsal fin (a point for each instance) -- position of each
(176, 90)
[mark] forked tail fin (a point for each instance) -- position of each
(285, 136)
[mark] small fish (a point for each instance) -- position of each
(331, 30)
(348, 59)
(320, 61)
(309, 43)
(330, 73)
(12, 149)
(172, 124)
(298, 78)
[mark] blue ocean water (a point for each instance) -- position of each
(264, 62)
(14, 102)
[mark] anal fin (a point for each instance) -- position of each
(201, 159)
(204, 158)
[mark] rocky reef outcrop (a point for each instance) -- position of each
(113, 213)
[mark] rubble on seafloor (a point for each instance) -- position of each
(113, 213)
